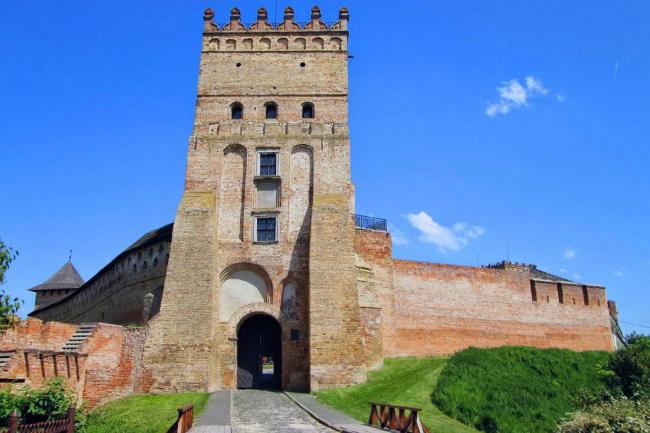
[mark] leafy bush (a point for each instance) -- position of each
(615, 416)
(8, 403)
(517, 389)
(35, 405)
(44, 404)
(630, 368)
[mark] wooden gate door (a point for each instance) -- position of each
(259, 353)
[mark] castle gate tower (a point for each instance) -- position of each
(261, 285)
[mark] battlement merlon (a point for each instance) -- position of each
(262, 25)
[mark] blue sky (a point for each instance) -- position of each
(482, 131)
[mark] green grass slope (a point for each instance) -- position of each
(143, 413)
(406, 381)
(516, 389)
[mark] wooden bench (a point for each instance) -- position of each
(404, 419)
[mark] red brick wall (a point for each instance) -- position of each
(106, 367)
(374, 285)
(36, 334)
(439, 309)
(113, 366)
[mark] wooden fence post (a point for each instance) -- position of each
(12, 423)
(71, 414)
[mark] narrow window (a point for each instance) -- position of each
(265, 229)
(268, 164)
(307, 110)
(585, 295)
(271, 110)
(560, 293)
(236, 111)
(533, 290)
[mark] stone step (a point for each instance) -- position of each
(4, 358)
(82, 333)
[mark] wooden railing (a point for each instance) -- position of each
(403, 419)
(185, 419)
(63, 425)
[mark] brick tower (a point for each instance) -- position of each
(261, 285)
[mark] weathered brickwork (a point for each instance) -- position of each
(265, 227)
(214, 236)
(106, 366)
(443, 308)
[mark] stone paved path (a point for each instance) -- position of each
(216, 415)
(255, 411)
(340, 421)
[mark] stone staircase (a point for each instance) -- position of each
(83, 332)
(4, 358)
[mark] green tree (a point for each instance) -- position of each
(8, 306)
(631, 368)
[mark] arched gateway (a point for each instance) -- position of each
(259, 352)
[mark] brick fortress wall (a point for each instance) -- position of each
(435, 309)
(128, 290)
(105, 367)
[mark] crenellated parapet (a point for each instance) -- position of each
(286, 35)
(287, 24)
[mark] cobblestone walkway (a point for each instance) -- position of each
(255, 411)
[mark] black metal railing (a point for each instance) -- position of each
(370, 223)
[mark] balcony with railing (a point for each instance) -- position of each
(370, 223)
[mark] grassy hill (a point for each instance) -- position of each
(504, 390)
(516, 389)
(406, 381)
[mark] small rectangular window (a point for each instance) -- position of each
(265, 229)
(268, 164)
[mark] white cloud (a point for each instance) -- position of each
(619, 273)
(569, 253)
(564, 271)
(559, 97)
(514, 95)
(398, 236)
(446, 238)
(577, 276)
(535, 87)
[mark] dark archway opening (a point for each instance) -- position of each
(259, 353)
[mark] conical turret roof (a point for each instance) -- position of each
(65, 278)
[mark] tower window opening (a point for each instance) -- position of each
(268, 164)
(236, 111)
(265, 229)
(238, 64)
(271, 110)
(302, 64)
(307, 110)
